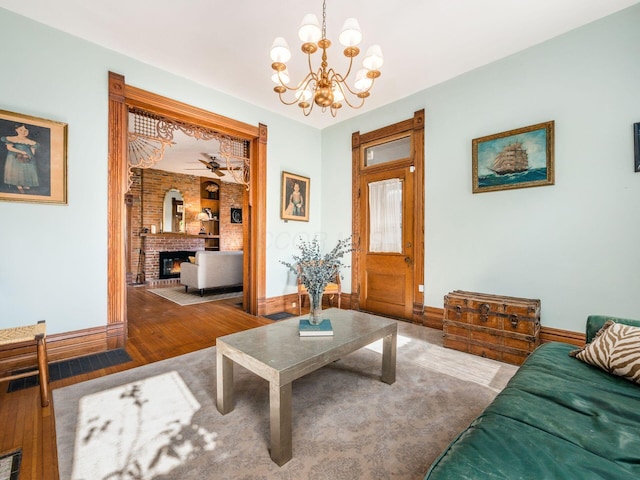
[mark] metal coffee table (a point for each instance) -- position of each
(279, 355)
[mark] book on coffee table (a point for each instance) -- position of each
(324, 329)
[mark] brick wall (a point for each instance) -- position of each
(148, 190)
(231, 196)
(155, 185)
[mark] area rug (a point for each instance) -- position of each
(159, 421)
(192, 297)
(10, 465)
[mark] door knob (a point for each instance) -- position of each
(407, 260)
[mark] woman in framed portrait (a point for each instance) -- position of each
(20, 169)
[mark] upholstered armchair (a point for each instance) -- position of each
(212, 269)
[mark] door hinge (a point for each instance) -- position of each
(412, 168)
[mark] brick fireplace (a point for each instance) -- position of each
(175, 243)
(169, 263)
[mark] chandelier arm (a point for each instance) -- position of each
(285, 86)
(342, 78)
(302, 85)
(292, 102)
(352, 105)
(343, 81)
(305, 81)
(340, 81)
(307, 111)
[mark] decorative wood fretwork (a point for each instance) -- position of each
(152, 133)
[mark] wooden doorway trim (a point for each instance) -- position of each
(121, 98)
(414, 125)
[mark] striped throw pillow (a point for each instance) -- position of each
(615, 349)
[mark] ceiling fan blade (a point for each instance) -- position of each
(208, 164)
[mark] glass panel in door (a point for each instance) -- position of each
(387, 151)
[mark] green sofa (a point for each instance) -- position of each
(558, 418)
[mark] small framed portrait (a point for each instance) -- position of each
(295, 197)
(515, 159)
(33, 159)
(236, 215)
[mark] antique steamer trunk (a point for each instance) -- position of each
(492, 326)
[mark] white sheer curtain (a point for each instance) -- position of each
(385, 216)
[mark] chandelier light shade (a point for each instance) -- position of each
(325, 87)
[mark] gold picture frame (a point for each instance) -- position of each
(515, 159)
(33, 159)
(295, 197)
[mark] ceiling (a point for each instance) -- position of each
(225, 45)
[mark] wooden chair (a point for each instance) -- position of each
(333, 288)
(26, 336)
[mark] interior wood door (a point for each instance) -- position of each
(387, 268)
(387, 271)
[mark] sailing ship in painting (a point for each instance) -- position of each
(515, 159)
(512, 159)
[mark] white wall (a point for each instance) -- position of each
(574, 245)
(54, 263)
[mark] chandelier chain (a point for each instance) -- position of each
(324, 19)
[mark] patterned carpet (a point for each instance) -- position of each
(192, 297)
(160, 420)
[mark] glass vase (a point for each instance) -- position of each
(315, 308)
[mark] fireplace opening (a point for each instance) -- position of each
(170, 263)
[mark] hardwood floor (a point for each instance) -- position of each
(158, 329)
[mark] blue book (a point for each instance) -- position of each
(324, 329)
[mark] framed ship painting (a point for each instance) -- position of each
(515, 159)
(33, 159)
(295, 197)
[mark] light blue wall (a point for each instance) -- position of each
(54, 263)
(574, 245)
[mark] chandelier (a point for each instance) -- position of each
(325, 87)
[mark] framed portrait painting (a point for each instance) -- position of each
(295, 197)
(515, 159)
(236, 215)
(33, 159)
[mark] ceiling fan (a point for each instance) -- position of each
(213, 164)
